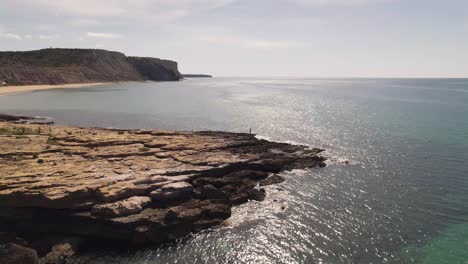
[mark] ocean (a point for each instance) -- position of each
(395, 189)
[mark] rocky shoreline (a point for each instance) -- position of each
(60, 186)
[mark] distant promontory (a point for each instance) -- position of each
(197, 76)
(65, 66)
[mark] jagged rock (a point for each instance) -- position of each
(239, 198)
(61, 249)
(249, 174)
(11, 237)
(128, 206)
(274, 179)
(15, 254)
(257, 195)
(210, 192)
(88, 179)
(172, 192)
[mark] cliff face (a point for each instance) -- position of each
(155, 69)
(61, 66)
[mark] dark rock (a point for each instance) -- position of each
(212, 193)
(217, 210)
(217, 182)
(11, 237)
(196, 76)
(155, 69)
(62, 249)
(15, 254)
(239, 198)
(11, 118)
(171, 215)
(229, 188)
(249, 174)
(274, 179)
(256, 195)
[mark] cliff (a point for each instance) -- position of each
(62, 66)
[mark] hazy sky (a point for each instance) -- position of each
(309, 38)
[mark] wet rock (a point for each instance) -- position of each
(61, 250)
(257, 195)
(250, 174)
(274, 179)
(15, 254)
(239, 198)
(11, 237)
(128, 206)
(210, 192)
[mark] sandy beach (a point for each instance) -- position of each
(6, 90)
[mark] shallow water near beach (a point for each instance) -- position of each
(403, 197)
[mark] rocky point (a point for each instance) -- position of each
(137, 186)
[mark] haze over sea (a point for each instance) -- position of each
(401, 199)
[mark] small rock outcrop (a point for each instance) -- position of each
(15, 254)
(62, 66)
(125, 207)
(197, 76)
(273, 179)
(60, 250)
(133, 186)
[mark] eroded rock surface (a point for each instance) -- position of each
(15, 254)
(132, 185)
(128, 206)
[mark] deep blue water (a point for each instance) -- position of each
(402, 199)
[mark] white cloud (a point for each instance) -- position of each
(5, 34)
(215, 35)
(84, 22)
(8, 35)
(339, 2)
(47, 37)
(103, 35)
(125, 8)
(248, 42)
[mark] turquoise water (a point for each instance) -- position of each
(402, 199)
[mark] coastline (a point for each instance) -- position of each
(16, 89)
(127, 188)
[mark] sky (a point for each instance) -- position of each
(274, 38)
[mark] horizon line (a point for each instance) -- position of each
(330, 77)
